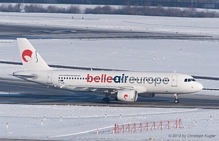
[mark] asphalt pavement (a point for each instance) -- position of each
(16, 91)
(8, 31)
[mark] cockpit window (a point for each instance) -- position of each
(189, 79)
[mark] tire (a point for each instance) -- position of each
(106, 100)
(176, 101)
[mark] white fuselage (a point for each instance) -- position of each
(142, 82)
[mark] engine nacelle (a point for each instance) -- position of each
(147, 95)
(127, 95)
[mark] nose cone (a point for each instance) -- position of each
(199, 87)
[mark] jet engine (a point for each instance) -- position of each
(127, 95)
(146, 95)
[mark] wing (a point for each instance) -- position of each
(99, 89)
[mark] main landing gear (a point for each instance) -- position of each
(176, 98)
(106, 99)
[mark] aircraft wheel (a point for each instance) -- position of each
(106, 100)
(116, 99)
(176, 101)
(176, 98)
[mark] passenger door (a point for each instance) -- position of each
(174, 80)
(49, 78)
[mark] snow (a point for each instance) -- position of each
(81, 122)
(53, 122)
(198, 26)
(138, 55)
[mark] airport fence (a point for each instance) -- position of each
(141, 127)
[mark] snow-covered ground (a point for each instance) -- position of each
(192, 57)
(198, 26)
(75, 123)
(184, 56)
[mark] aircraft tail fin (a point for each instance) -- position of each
(30, 58)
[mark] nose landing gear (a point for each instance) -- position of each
(176, 98)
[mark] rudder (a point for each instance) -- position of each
(30, 57)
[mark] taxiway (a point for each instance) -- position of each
(22, 92)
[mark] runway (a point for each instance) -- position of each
(14, 91)
(8, 31)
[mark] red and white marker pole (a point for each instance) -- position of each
(44, 118)
(41, 122)
(61, 117)
(97, 132)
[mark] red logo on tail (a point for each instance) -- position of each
(126, 96)
(26, 53)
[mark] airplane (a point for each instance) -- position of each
(122, 85)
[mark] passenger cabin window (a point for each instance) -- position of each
(75, 78)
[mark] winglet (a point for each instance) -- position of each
(30, 57)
